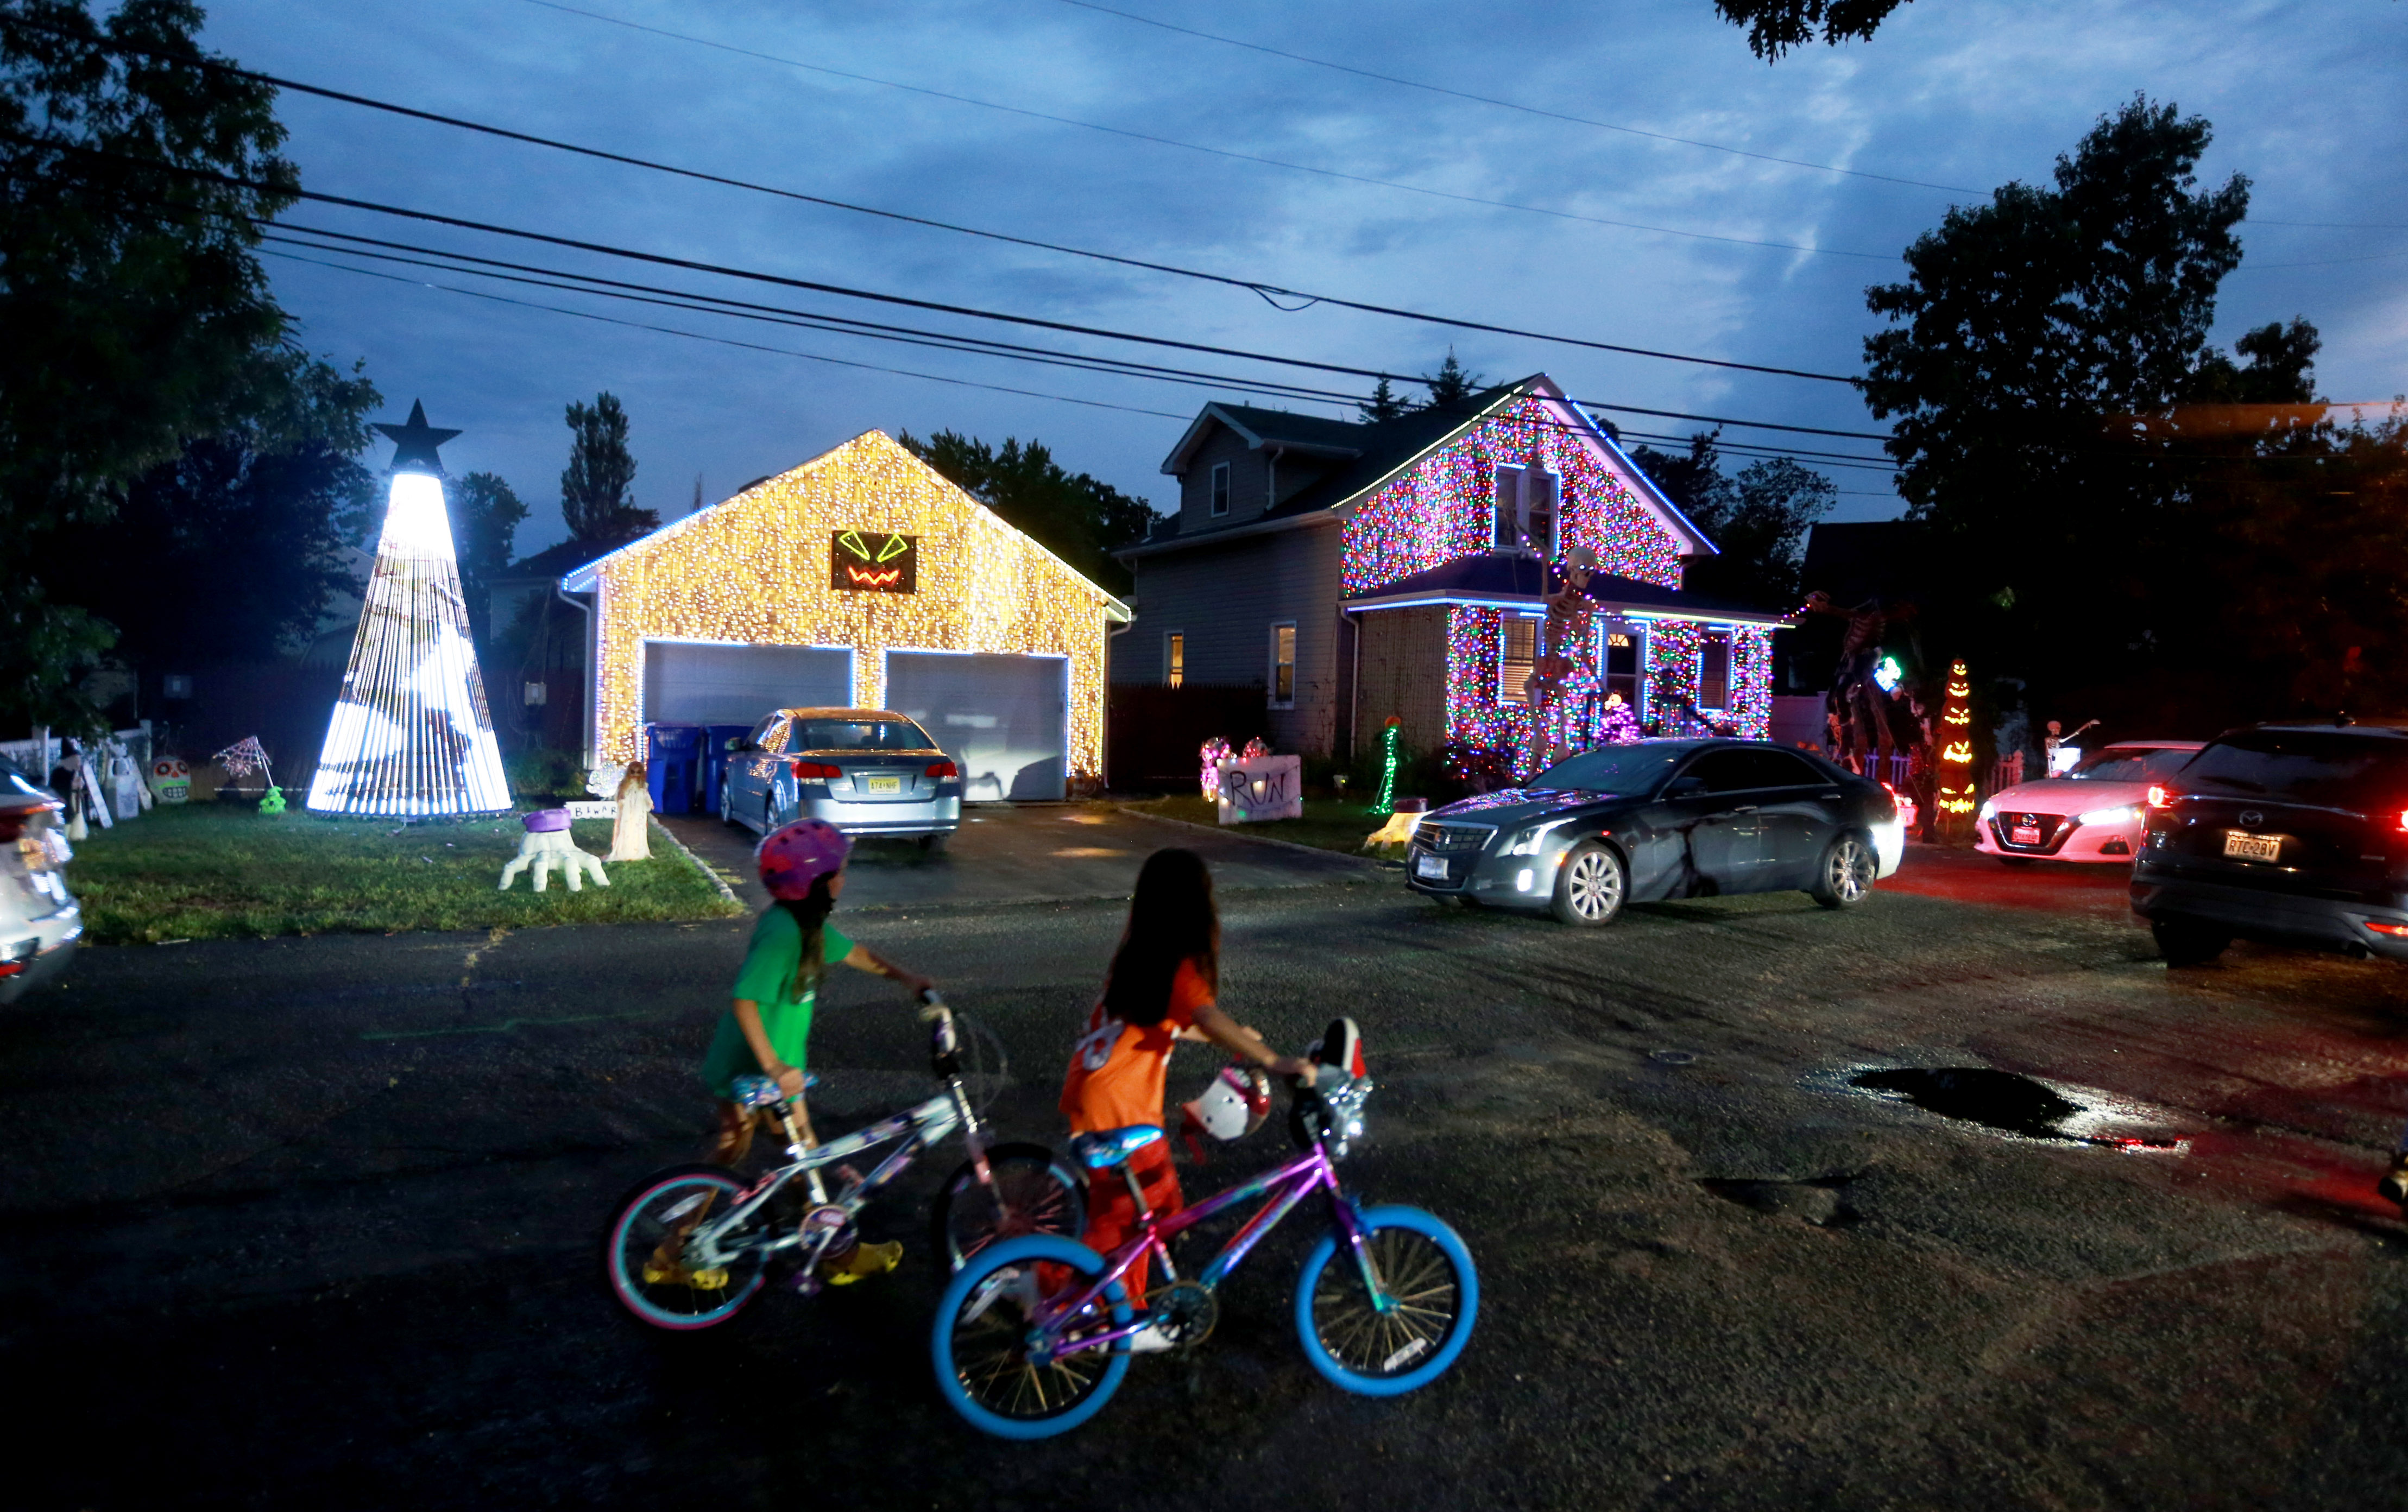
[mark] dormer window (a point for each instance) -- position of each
(1220, 487)
(1525, 511)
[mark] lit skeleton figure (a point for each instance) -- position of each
(547, 846)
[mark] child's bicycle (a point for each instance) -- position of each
(1384, 1304)
(688, 1246)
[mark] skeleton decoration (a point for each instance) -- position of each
(171, 780)
(547, 847)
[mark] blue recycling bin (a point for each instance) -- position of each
(670, 754)
(719, 742)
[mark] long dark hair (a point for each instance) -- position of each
(1171, 921)
(810, 913)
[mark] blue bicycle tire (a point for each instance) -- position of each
(1458, 1333)
(630, 1293)
(1028, 1250)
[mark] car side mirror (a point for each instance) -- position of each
(1685, 787)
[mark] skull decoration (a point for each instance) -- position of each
(171, 780)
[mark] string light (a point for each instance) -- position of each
(410, 735)
(753, 571)
(1443, 507)
(1214, 751)
(1956, 796)
(1391, 739)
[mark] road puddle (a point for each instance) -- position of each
(2025, 1108)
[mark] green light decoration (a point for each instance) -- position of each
(1389, 738)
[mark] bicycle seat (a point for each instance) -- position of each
(1108, 1147)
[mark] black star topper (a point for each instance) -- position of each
(414, 444)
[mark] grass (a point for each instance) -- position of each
(1327, 825)
(224, 871)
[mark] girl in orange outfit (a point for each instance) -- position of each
(1163, 978)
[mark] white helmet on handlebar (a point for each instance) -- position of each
(1233, 1105)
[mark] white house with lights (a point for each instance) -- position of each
(861, 578)
(1363, 572)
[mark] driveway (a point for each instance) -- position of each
(1007, 853)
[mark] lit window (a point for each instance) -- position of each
(1521, 658)
(1714, 672)
(1174, 658)
(1282, 664)
(1220, 487)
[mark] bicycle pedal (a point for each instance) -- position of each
(806, 1284)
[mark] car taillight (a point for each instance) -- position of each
(2380, 927)
(2403, 819)
(814, 771)
(944, 769)
(2159, 798)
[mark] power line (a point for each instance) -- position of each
(1508, 105)
(1213, 151)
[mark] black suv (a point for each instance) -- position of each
(2295, 833)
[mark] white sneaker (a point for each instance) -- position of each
(1012, 1282)
(1151, 1340)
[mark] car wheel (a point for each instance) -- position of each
(1845, 876)
(2183, 943)
(934, 843)
(1590, 886)
(769, 815)
(727, 800)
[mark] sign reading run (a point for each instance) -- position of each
(873, 562)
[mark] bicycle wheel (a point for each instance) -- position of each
(646, 1259)
(1432, 1291)
(1034, 1192)
(980, 1346)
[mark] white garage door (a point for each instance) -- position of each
(1000, 717)
(737, 684)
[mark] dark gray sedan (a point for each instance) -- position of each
(1662, 819)
(866, 771)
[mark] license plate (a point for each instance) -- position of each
(885, 784)
(1431, 868)
(2024, 835)
(2252, 846)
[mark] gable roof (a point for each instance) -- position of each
(1265, 428)
(1513, 579)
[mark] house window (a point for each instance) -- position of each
(1622, 666)
(1509, 509)
(1282, 665)
(1174, 658)
(1714, 672)
(1521, 658)
(1220, 487)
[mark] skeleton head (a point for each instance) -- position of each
(171, 780)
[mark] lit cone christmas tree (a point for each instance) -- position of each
(411, 736)
(1955, 797)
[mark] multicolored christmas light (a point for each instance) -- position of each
(1211, 756)
(410, 735)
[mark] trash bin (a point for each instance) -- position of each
(670, 752)
(719, 742)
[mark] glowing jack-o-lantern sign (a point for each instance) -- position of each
(873, 562)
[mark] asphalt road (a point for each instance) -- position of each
(312, 1223)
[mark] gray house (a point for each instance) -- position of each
(1360, 572)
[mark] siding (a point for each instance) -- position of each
(1403, 675)
(1225, 599)
(1249, 480)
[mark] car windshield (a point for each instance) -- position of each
(859, 735)
(2310, 766)
(1629, 771)
(2130, 764)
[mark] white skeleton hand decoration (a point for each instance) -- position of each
(548, 850)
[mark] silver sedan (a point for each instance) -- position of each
(866, 771)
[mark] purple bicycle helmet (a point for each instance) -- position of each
(793, 857)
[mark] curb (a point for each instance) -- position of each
(1373, 862)
(696, 861)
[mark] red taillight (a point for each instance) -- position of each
(2159, 798)
(2396, 930)
(814, 771)
(2403, 819)
(944, 769)
(11, 968)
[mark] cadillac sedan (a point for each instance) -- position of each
(866, 771)
(1662, 819)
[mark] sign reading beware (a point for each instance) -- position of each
(873, 562)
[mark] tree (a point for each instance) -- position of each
(1385, 403)
(1758, 520)
(1775, 26)
(485, 516)
(135, 310)
(1450, 385)
(594, 498)
(1078, 517)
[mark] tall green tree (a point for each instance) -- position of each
(1758, 519)
(1775, 26)
(136, 314)
(596, 501)
(1450, 385)
(486, 513)
(1077, 516)
(1385, 403)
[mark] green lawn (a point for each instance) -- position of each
(1327, 825)
(220, 871)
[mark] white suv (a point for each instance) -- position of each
(40, 921)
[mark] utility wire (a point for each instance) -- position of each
(1213, 151)
(1508, 105)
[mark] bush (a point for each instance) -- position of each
(545, 774)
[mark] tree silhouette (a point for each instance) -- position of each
(594, 499)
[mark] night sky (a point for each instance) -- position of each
(2305, 99)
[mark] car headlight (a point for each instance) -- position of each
(1990, 809)
(1526, 842)
(2109, 816)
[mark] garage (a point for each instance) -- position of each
(689, 683)
(1003, 718)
